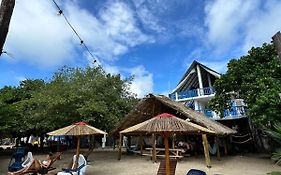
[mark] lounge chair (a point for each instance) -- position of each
(30, 168)
(17, 158)
(195, 172)
(80, 170)
(27, 166)
(162, 167)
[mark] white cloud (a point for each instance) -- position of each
(142, 83)
(224, 20)
(148, 19)
(264, 26)
(37, 35)
(241, 23)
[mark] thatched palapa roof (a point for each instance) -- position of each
(153, 105)
(166, 123)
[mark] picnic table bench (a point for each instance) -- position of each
(160, 152)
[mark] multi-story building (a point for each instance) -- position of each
(195, 89)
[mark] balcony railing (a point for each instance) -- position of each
(192, 93)
(235, 111)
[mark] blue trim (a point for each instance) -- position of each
(192, 93)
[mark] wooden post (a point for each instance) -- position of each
(141, 144)
(225, 146)
(129, 143)
(120, 146)
(173, 141)
(77, 153)
(206, 150)
(167, 158)
(153, 148)
(218, 151)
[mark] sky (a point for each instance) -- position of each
(153, 40)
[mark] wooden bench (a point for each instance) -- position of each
(174, 153)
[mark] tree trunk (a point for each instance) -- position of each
(6, 11)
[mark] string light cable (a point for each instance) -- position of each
(82, 43)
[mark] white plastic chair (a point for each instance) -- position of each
(28, 161)
(80, 170)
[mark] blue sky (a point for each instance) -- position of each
(153, 40)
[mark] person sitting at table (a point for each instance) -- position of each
(186, 146)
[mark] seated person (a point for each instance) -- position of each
(46, 163)
(35, 166)
(187, 147)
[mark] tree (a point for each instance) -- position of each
(76, 94)
(256, 78)
(73, 94)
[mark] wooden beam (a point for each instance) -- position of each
(225, 146)
(206, 150)
(120, 146)
(141, 144)
(218, 151)
(153, 147)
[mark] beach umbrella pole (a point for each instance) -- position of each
(77, 152)
(167, 159)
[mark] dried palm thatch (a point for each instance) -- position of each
(164, 123)
(153, 105)
(77, 129)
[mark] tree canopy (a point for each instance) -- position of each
(72, 94)
(256, 78)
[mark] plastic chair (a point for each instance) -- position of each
(195, 172)
(80, 170)
(17, 159)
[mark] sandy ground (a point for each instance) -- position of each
(104, 162)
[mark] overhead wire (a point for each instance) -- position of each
(60, 12)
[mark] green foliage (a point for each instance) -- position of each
(256, 78)
(274, 173)
(73, 94)
(275, 134)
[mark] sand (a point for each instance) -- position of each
(104, 162)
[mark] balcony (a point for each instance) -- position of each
(234, 112)
(192, 93)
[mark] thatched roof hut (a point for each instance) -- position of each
(153, 105)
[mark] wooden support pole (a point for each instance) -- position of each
(153, 147)
(141, 144)
(129, 143)
(218, 151)
(173, 141)
(225, 146)
(77, 153)
(206, 150)
(167, 158)
(120, 146)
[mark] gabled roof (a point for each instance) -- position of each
(153, 105)
(191, 70)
